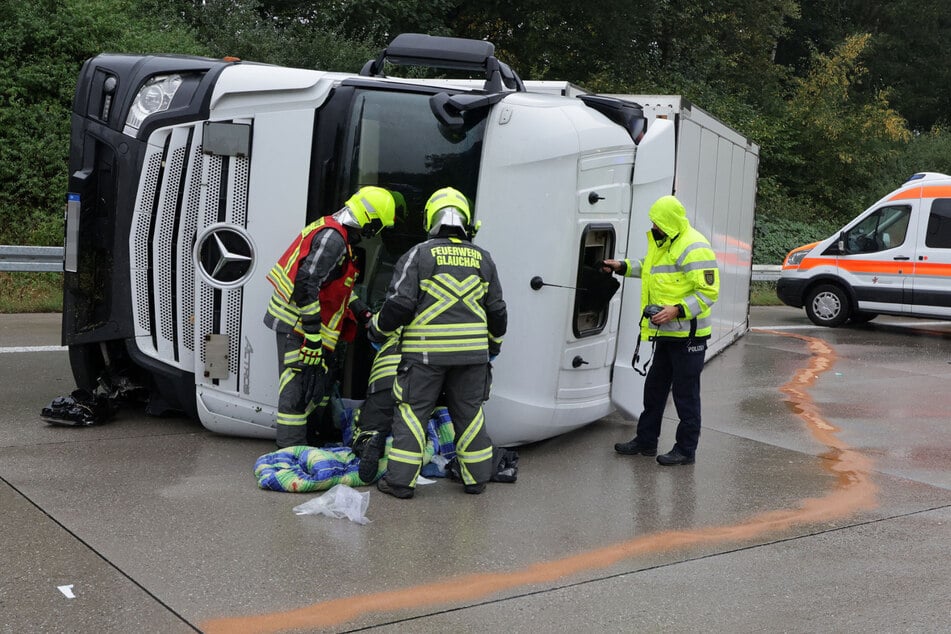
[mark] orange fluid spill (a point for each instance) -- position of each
(853, 491)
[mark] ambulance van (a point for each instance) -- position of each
(894, 259)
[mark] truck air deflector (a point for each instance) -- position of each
(626, 114)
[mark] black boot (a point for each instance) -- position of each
(370, 457)
(633, 448)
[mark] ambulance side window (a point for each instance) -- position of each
(883, 229)
(939, 225)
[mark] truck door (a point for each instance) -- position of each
(653, 178)
(931, 281)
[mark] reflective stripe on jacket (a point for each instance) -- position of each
(325, 317)
(679, 271)
(446, 293)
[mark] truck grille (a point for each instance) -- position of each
(181, 192)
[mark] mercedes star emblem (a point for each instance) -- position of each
(225, 255)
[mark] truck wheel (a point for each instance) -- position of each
(87, 364)
(828, 305)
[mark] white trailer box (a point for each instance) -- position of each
(190, 176)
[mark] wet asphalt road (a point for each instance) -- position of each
(820, 502)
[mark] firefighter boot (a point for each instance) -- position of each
(397, 491)
(370, 457)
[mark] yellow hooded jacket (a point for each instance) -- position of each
(680, 270)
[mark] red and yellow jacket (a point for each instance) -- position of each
(325, 317)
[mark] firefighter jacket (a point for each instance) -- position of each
(446, 294)
(679, 270)
(312, 283)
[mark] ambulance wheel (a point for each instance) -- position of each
(828, 305)
(861, 317)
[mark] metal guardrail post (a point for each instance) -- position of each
(19, 258)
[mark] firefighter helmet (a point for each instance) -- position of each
(371, 209)
(447, 207)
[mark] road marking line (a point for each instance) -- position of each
(34, 349)
(852, 492)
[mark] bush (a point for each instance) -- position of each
(774, 237)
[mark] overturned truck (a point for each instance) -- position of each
(189, 176)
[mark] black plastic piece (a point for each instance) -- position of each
(627, 114)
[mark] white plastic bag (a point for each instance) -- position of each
(339, 501)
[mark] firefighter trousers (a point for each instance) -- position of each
(375, 415)
(302, 395)
(416, 390)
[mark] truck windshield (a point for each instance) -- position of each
(397, 143)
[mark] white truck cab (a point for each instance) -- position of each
(190, 176)
(894, 258)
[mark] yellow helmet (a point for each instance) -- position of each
(447, 207)
(372, 208)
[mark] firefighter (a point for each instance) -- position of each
(375, 418)
(680, 283)
(310, 305)
(446, 295)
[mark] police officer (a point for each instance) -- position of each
(680, 282)
(309, 307)
(446, 295)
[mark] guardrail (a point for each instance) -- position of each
(31, 258)
(14, 258)
(766, 272)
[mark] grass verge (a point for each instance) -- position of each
(22, 292)
(763, 294)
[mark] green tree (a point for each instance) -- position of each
(837, 137)
(43, 44)
(907, 53)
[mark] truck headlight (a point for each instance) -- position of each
(794, 258)
(155, 95)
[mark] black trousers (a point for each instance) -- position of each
(676, 367)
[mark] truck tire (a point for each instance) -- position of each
(87, 364)
(828, 305)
